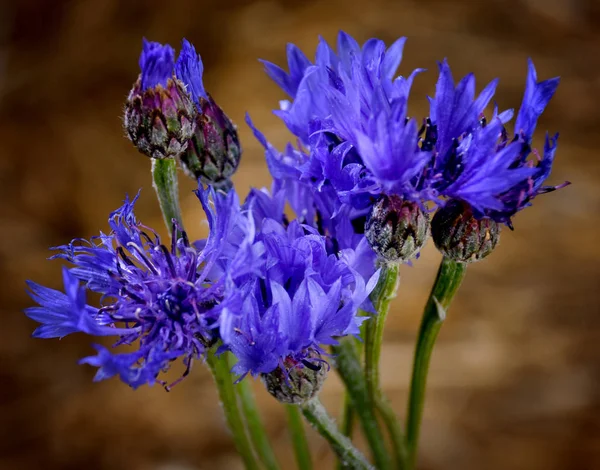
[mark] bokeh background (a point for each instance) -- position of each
(515, 378)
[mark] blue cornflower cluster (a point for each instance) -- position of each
(349, 112)
(361, 182)
(267, 290)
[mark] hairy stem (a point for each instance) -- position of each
(317, 416)
(348, 366)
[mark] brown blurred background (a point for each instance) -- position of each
(515, 377)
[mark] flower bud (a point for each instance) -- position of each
(214, 151)
(298, 382)
(160, 120)
(397, 229)
(462, 237)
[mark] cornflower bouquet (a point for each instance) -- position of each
(284, 298)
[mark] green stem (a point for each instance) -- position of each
(449, 278)
(348, 416)
(164, 180)
(383, 295)
(385, 410)
(298, 436)
(350, 370)
(224, 380)
(257, 432)
(316, 415)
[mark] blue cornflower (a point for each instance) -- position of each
(304, 298)
(349, 113)
(475, 160)
(341, 229)
(358, 73)
(317, 204)
(166, 300)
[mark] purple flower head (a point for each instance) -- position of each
(304, 175)
(455, 111)
(156, 63)
(349, 114)
(189, 69)
(304, 299)
(357, 73)
(327, 208)
(389, 150)
(475, 160)
(165, 300)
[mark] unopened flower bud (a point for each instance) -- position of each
(462, 237)
(160, 120)
(214, 151)
(160, 116)
(397, 229)
(297, 382)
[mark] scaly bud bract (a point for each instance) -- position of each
(462, 237)
(160, 120)
(397, 229)
(214, 151)
(296, 382)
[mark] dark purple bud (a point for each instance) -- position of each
(297, 381)
(160, 120)
(214, 151)
(462, 237)
(397, 229)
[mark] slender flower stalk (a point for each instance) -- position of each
(382, 298)
(384, 408)
(256, 429)
(164, 180)
(164, 177)
(348, 416)
(317, 416)
(219, 367)
(248, 434)
(449, 278)
(298, 437)
(348, 413)
(351, 372)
